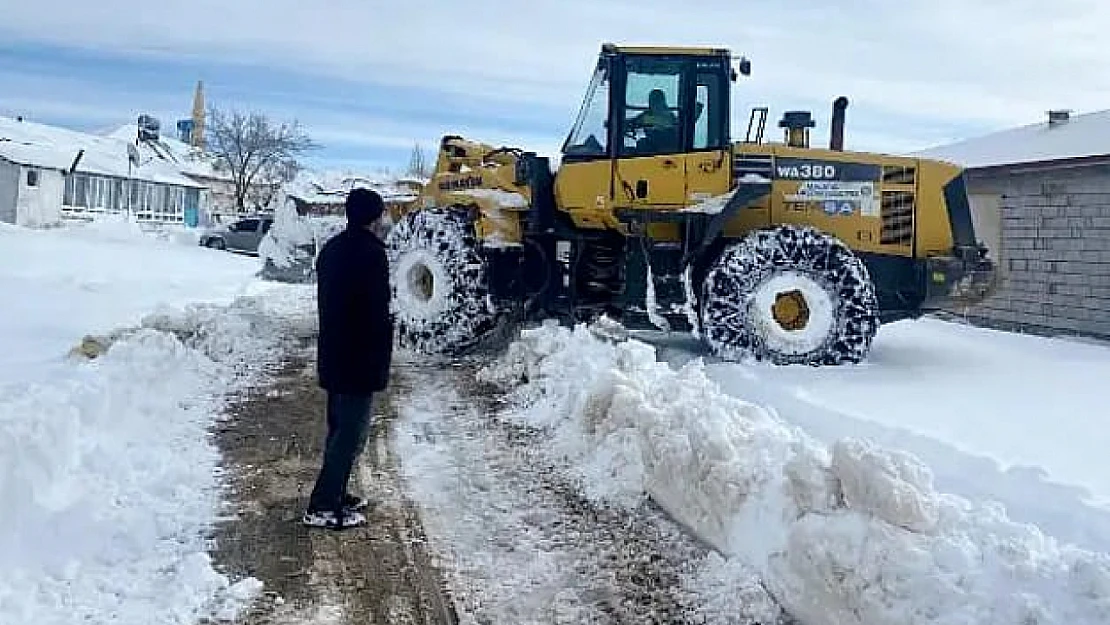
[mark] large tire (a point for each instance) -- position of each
(789, 295)
(439, 283)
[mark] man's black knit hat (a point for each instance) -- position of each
(364, 206)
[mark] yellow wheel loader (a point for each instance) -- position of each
(657, 217)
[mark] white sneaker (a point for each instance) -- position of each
(328, 519)
(355, 503)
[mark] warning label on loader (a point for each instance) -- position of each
(838, 198)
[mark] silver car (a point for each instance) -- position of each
(241, 236)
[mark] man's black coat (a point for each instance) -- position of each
(356, 327)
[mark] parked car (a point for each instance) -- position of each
(241, 236)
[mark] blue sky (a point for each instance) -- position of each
(368, 79)
(358, 124)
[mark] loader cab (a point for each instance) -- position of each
(645, 102)
(650, 116)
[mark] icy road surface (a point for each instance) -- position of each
(1015, 418)
(520, 542)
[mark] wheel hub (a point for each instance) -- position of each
(790, 310)
(421, 282)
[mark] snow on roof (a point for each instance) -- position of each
(53, 147)
(190, 160)
(1079, 136)
(324, 187)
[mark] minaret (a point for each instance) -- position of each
(198, 115)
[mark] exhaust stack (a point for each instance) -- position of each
(836, 132)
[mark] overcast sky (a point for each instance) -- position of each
(369, 78)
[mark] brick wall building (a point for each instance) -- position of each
(1040, 197)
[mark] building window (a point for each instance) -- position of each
(68, 192)
(32, 177)
(97, 195)
(147, 201)
(119, 195)
(80, 193)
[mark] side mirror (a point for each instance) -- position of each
(745, 67)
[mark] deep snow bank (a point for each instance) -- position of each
(108, 478)
(998, 415)
(61, 283)
(842, 534)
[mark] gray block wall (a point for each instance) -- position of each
(1055, 252)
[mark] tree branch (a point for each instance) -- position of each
(255, 150)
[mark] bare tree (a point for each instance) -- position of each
(259, 154)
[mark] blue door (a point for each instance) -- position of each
(192, 214)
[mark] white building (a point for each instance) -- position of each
(49, 173)
(189, 161)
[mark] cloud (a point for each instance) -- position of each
(917, 72)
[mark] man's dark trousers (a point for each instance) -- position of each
(348, 425)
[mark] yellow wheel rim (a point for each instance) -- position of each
(790, 310)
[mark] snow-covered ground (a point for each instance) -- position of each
(61, 284)
(858, 494)
(843, 530)
(108, 478)
(1015, 418)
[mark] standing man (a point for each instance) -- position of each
(355, 349)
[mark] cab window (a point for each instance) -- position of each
(652, 115)
(710, 111)
(589, 137)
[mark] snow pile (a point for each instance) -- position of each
(118, 227)
(108, 479)
(995, 415)
(107, 474)
(289, 249)
(847, 533)
(66, 282)
(124, 228)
